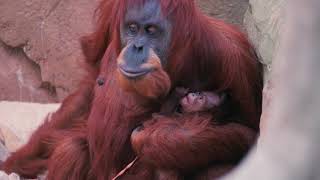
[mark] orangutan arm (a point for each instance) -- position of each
(190, 142)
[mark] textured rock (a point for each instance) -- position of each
(231, 11)
(16, 127)
(263, 22)
(48, 32)
(20, 78)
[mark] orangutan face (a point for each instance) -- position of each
(144, 33)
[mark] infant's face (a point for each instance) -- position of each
(200, 101)
(194, 102)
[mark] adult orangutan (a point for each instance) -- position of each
(141, 51)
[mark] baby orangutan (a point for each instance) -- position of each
(200, 101)
(181, 101)
(184, 101)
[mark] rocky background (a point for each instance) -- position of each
(263, 22)
(39, 47)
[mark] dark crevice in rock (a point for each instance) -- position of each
(18, 51)
(10, 49)
(51, 89)
(250, 8)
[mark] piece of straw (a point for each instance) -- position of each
(125, 169)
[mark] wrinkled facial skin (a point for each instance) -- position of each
(143, 29)
(200, 101)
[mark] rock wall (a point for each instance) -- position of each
(263, 21)
(231, 11)
(20, 78)
(39, 44)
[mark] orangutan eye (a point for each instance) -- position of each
(152, 30)
(133, 28)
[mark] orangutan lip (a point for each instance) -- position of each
(133, 74)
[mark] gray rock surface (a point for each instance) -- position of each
(231, 11)
(263, 22)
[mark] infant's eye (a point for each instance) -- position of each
(133, 28)
(152, 30)
(199, 93)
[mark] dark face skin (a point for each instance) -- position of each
(144, 29)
